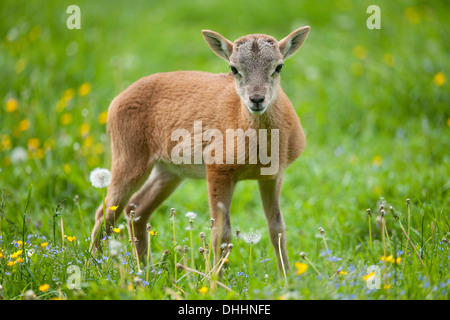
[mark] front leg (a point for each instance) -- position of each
(220, 191)
(270, 194)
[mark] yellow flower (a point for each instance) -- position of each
(16, 254)
(342, 272)
(377, 160)
(439, 79)
(11, 263)
(388, 259)
(84, 89)
(24, 125)
(68, 94)
(44, 244)
(5, 143)
(66, 118)
(116, 230)
(19, 260)
(387, 286)
(398, 260)
(153, 233)
(360, 52)
(1, 255)
(102, 118)
(44, 287)
(369, 276)
(203, 290)
(71, 239)
(11, 105)
(84, 129)
(114, 208)
(67, 168)
(301, 267)
(33, 143)
(19, 243)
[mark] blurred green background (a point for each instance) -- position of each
(374, 104)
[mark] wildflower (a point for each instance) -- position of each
(115, 247)
(301, 267)
(71, 239)
(377, 160)
(18, 155)
(321, 230)
(398, 260)
(19, 260)
(203, 290)
(44, 287)
(252, 237)
(84, 89)
(191, 215)
(102, 118)
(18, 243)
(369, 277)
(116, 230)
(16, 254)
(131, 216)
(153, 233)
(439, 79)
(387, 286)
(44, 244)
(114, 208)
(100, 178)
(11, 105)
(24, 125)
(11, 263)
(66, 118)
(342, 272)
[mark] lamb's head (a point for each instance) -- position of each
(256, 61)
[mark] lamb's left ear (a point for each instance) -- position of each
(290, 44)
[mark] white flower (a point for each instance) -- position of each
(18, 155)
(115, 247)
(100, 178)
(191, 215)
(30, 253)
(252, 237)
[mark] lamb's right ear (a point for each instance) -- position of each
(219, 44)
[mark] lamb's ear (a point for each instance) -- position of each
(290, 44)
(219, 44)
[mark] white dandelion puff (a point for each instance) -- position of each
(252, 237)
(18, 155)
(115, 247)
(191, 215)
(100, 178)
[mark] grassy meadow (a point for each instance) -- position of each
(374, 105)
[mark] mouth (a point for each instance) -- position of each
(257, 108)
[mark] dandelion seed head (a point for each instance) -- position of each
(100, 178)
(252, 237)
(191, 215)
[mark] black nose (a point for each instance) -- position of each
(257, 99)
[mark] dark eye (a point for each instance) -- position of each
(234, 70)
(278, 68)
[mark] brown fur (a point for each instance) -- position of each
(142, 118)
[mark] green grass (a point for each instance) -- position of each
(371, 102)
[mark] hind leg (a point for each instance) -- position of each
(159, 186)
(128, 173)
